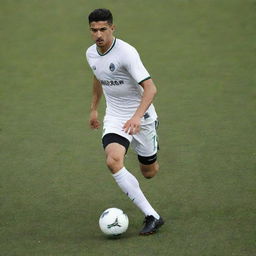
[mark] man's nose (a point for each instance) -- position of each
(98, 34)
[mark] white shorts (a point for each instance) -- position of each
(144, 143)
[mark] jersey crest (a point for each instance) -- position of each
(112, 67)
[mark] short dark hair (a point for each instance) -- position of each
(101, 14)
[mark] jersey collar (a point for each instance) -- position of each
(109, 49)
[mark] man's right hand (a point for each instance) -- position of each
(93, 121)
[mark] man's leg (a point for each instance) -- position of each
(150, 170)
(115, 161)
(115, 156)
(126, 181)
(145, 144)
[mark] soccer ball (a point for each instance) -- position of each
(113, 221)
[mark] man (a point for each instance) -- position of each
(130, 117)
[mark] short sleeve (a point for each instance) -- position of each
(134, 65)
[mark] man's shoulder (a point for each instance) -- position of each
(91, 50)
(125, 47)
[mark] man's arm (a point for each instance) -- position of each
(132, 126)
(96, 96)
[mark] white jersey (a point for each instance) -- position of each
(120, 72)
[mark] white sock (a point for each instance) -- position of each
(130, 186)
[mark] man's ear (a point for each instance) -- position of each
(113, 27)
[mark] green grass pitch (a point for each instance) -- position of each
(53, 180)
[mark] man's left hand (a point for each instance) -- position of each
(132, 126)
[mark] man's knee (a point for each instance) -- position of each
(148, 165)
(115, 156)
(148, 175)
(149, 171)
(114, 163)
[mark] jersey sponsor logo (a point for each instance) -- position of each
(112, 82)
(112, 67)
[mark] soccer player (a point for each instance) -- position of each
(130, 116)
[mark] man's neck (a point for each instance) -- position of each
(103, 50)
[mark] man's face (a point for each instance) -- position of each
(102, 33)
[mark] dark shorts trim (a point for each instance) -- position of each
(147, 160)
(115, 138)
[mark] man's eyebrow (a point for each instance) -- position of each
(96, 29)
